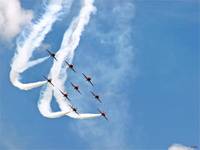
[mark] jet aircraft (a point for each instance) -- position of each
(53, 55)
(89, 79)
(49, 81)
(74, 109)
(103, 114)
(71, 66)
(76, 87)
(64, 94)
(97, 97)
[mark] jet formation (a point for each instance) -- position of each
(75, 86)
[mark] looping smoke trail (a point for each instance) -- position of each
(30, 42)
(58, 71)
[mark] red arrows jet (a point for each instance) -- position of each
(88, 79)
(74, 109)
(103, 114)
(76, 87)
(49, 80)
(64, 94)
(71, 66)
(53, 55)
(97, 97)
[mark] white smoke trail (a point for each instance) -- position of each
(25, 48)
(28, 44)
(180, 147)
(58, 71)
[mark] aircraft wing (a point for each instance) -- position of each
(93, 93)
(72, 84)
(105, 117)
(49, 52)
(91, 83)
(84, 75)
(73, 70)
(55, 58)
(66, 62)
(79, 91)
(45, 77)
(99, 100)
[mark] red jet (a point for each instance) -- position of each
(71, 66)
(49, 80)
(65, 95)
(97, 97)
(103, 114)
(76, 87)
(88, 79)
(74, 109)
(53, 55)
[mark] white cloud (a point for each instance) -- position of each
(12, 18)
(112, 134)
(179, 147)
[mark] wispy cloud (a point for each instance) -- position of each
(12, 18)
(112, 70)
(179, 147)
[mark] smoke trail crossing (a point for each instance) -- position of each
(27, 44)
(58, 71)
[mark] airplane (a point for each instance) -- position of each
(76, 87)
(64, 94)
(88, 79)
(96, 96)
(74, 109)
(53, 55)
(48, 80)
(102, 114)
(71, 66)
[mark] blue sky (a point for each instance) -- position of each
(144, 59)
